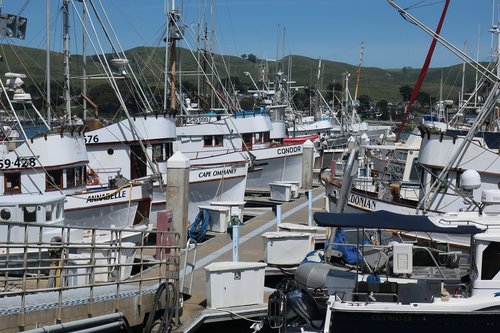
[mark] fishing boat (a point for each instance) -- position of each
(438, 157)
(240, 137)
(108, 147)
(214, 130)
(52, 158)
(409, 297)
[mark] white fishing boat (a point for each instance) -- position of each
(240, 137)
(114, 150)
(435, 173)
(395, 290)
(384, 177)
(29, 210)
(215, 131)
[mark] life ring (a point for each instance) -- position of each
(92, 177)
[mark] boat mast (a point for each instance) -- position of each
(462, 98)
(173, 34)
(67, 96)
(424, 69)
(47, 78)
(359, 70)
(165, 80)
(84, 61)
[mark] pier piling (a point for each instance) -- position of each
(177, 192)
(307, 165)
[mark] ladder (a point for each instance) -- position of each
(189, 261)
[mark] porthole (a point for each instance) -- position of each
(5, 214)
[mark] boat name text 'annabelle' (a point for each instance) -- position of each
(107, 196)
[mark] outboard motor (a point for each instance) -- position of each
(304, 311)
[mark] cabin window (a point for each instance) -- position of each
(441, 186)
(168, 150)
(162, 151)
(138, 165)
(53, 212)
(213, 140)
(29, 213)
(266, 137)
(415, 171)
(12, 182)
(79, 175)
(247, 138)
(491, 262)
(218, 140)
(70, 177)
(158, 155)
(54, 179)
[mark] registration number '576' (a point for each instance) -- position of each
(20, 162)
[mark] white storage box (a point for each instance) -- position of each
(235, 207)
(111, 262)
(287, 248)
(318, 232)
(281, 191)
(235, 283)
(76, 276)
(294, 189)
(219, 217)
(402, 254)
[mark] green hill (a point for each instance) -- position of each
(377, 83)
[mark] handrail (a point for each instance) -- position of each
(107, 260)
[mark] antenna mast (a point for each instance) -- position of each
(359, 70)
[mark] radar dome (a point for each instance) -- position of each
(470, 180)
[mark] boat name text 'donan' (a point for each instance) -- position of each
(361, 202)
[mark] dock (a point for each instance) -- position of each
(219, 248)
(133, 299)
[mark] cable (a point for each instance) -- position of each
(170, 305)
(199, 228)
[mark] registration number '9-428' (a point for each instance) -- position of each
(20, 162)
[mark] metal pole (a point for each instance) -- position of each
(236, 243)
(278, 216)
(49, 111)
(67, 92)
(310, 207)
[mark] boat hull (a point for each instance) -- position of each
(345, 321)
(207, 184)
(116, 208)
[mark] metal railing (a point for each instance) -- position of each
(91, 264)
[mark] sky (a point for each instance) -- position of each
(319, 29)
